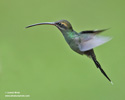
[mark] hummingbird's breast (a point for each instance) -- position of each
(73, 40)
(74, 44)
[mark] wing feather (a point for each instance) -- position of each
(93, 42)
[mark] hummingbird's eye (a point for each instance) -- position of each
(59, 24)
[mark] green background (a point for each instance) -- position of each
(38, 62)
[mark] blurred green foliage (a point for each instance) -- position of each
(37, 61)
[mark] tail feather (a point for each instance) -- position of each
(91, 54)
(99, 66)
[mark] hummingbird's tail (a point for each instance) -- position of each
(91, 54)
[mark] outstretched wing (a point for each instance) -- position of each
(93, 31)
(92, 42)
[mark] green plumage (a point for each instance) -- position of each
(83, 42)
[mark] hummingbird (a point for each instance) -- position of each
(82, 42)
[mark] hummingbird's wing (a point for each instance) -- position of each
(93, 31)
(89, 41)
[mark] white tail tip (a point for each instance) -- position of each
(112, 83)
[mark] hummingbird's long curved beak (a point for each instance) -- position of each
(46, 23)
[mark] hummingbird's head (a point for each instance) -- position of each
(62, 25)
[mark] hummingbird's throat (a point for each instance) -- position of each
(69, 35)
